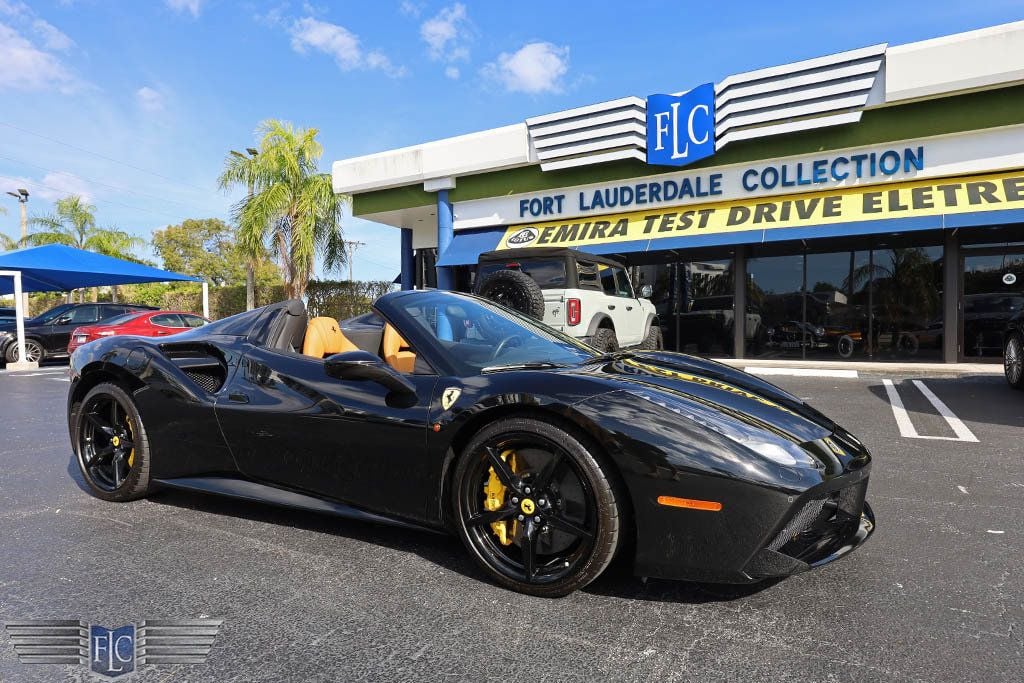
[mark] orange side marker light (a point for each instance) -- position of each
(691, 503)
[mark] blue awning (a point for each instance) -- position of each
(467, 245)
(59, 268)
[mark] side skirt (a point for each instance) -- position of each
(262, 493)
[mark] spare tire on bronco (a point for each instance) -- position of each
(516, 290)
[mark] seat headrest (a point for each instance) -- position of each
(325, 338)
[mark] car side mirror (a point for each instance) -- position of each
(646, 291)
(361, 366)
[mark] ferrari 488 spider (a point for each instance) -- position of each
(450, 412)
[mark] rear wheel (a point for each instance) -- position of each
(111, 444)
(34, 352)
(605, 340)
(535, 508)
(1013, 361)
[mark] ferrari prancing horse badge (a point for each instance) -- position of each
(450, 396)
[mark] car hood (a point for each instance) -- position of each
(736, 393)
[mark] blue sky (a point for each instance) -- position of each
(135, 103)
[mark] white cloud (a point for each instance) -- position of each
(14, 8)
(193, 7)
(447, 33)
(55, 185)
(53, 38)
(410, 9)
(26, 67)
(452, 72)
(149, 99)
(533, 68)
(341, 44)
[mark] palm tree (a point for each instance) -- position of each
(292, 208)
(73, 223)
(6, 243)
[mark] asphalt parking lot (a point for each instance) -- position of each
(936, 594)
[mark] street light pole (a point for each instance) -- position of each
(250, 265)
(22, 196)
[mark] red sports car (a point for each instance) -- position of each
(142, 324)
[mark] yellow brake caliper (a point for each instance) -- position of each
(494, 491)
(131, 456)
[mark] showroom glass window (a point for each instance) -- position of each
(993, 292)
(775, 320)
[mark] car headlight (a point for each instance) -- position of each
(769, 446)
(819, 331)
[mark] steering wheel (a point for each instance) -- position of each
(505, 343)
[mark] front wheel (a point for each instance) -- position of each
(1013, 362)
(111, 444)
(654, 341)
(535, 508)
(34, 352)
(604, 340)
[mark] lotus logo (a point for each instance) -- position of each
(524, 236)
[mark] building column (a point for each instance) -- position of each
(408, 260)
(739, 302)
(445, 226)
(951, 298)
(445, 233)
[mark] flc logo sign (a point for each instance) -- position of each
(681, 128)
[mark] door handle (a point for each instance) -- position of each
(629, 308)
(238, 397)
(611, 307)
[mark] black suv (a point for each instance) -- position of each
(47, 334)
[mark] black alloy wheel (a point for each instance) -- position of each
(1013, 362)
(111, 443)
(556, 511)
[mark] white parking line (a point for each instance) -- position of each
(800, 372)
(955, 423)
(906, 427)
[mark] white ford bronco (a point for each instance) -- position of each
(585, 296)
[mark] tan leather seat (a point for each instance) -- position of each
(397, 352)
(324, 338)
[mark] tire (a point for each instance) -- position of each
(516, 290)
(845, 346)
(33, 351)
(654, 341)
(98, 434)
(578, 507)
(605, 340)
(1013, 361)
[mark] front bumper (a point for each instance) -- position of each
(823, 549)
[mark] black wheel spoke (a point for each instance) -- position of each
(490, 517)
(529, 547)
(501, 468)
(100, 424)
(543, 479)
(101, 454)
(565, 525)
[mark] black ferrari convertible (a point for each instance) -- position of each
(450, 412)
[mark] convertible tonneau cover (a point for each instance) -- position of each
(545, 252)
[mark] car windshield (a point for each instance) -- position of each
(477, 336)
(52, 314)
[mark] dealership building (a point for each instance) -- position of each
(862, 205)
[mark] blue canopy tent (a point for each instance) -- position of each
(59, 268)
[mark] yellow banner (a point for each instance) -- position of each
(876, 202)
